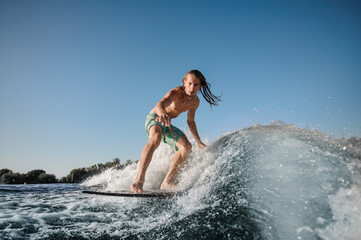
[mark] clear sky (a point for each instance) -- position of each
(77, 78)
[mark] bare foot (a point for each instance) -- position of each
(137, 186)
(168, 186)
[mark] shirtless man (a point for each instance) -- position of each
(158, 126)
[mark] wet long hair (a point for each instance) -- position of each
(205, 88)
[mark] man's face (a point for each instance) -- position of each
(191, 85)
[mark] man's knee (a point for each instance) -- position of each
(154, 140)
(186, 147)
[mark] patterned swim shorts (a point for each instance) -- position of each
(168, 136)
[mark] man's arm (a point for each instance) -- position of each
(193, 127)
(163, 116)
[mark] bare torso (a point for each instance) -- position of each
(176, 102)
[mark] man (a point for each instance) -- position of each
(158, 126)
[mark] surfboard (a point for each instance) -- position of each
(145, 194)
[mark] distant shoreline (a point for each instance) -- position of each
(39, 176)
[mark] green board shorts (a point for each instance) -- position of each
(169, 137)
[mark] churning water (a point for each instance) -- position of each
(263, 182)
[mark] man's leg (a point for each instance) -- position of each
(154, 139)
(184, 148)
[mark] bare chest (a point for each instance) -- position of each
(177, 107)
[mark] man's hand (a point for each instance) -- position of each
(164, 119)
(201, 145)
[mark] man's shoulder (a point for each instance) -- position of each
(173, 92)
(197, 101)
(176, 90)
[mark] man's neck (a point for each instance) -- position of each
(188, 98)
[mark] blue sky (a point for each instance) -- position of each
(77, 78)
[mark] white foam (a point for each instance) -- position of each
(114, 180)
(346, 215)
(302, 183)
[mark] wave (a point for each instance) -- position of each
(263, 182)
